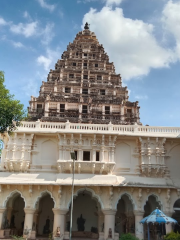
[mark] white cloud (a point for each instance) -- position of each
(27, 16)
(131, 44)
(17, 44)
(26, 29)
(2, 22)
(47, 33)
(31, 87)
(34, 29)
(48, 61)
(61, 14)
(43, 4)
(86, 1)
(171, 21)
(45, 61)
(144, 97)
(111, 2)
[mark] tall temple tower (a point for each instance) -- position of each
(123, 170)
(84, 88)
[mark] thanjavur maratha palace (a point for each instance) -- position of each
(123, 170)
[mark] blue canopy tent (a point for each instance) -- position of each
(157, 217)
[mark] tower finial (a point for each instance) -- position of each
(86, 26)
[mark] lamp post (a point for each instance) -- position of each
(73, 157)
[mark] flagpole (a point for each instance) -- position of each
(148, 233)
(73, 157)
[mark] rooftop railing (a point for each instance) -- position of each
(100, 128)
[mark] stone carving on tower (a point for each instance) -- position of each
(84, 88)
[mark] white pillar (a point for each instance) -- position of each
(94, 155)
(109, 222)
(168, 226)
(59, 220)
(28, 222)
(139, 230)
(100, 221)
(2, 210)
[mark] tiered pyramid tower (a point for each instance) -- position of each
(84, 88)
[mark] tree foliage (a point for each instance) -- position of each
(172, 236)
(128, 236)
(11, 111)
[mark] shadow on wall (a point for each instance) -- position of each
(173, 163)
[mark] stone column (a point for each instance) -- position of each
(109, 222)
(102, 154)
(35, 219)
(168, 226)
(100, 221)
(28, 222)
(2, 210)
(139, 230)
(46, 113)
(59, 220)
(94, 155)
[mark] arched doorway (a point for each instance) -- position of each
(176, 215)
(44, 216)
(125, 220)
(86, 216)
(152, 204)
(14, 215)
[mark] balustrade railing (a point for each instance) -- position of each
(136, 129)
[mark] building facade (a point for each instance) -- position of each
(123, 170)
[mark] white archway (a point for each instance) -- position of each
(41, 195)
(130, 198)
(157, 200)
(93, 195)
(44, 204)
(11, 195)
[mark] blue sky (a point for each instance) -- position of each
(142, 38)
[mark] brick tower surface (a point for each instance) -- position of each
(84, 87)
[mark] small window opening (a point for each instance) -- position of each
(71, 75)
(96, 64)
(129, 111)
(77, 54)
(85, 64)
(67, 90)
(84, 91)
(94, 55)
(84, 109)
(86, 156)
(99, 77)
(102, 92)
(85, 76)
(39, 105)
(85, 54)
(62, 107)
(97, 156)
(39, 108)
(107, 110)
(74, 64)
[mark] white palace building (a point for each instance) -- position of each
(123, 170)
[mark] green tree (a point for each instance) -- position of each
(11, 111)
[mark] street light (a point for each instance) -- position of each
(73, 157)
